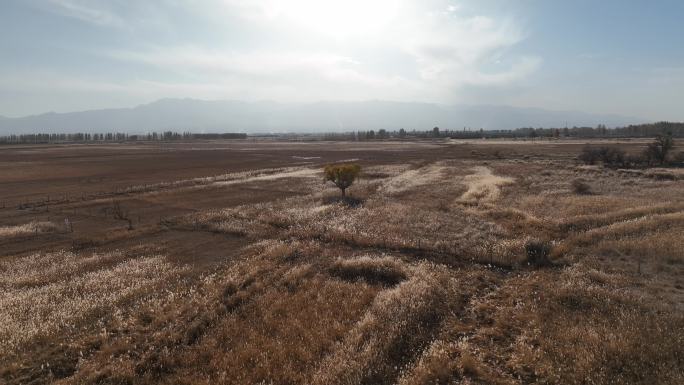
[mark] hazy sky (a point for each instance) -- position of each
(607, 56)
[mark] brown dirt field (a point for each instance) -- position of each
(81, 182)
(32, 173)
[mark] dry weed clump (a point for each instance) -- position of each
(483, 186)
(373, 270)
(538, 252)
(579, 186)
(28, 229)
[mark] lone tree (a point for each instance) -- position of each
(657, 151)
(343, 175)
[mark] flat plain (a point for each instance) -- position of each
(232, 262)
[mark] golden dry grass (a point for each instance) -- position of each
(43, 294)
(483, 185)
(27, 229)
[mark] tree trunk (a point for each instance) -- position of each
(343, 192)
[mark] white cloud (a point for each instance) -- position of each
(316, 47)
(94, 12)
(425, 50)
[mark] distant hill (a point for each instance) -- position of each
(252, 117)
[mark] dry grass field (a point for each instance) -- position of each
(233, 263)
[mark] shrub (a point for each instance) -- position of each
(609, 156)
(589, 155)
(635, 161)
(614, 157)
(538, 252)
(579, 186)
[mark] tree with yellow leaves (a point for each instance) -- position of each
(342, 175)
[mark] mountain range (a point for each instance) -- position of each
(260, 117)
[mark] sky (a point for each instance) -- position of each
(611, 56)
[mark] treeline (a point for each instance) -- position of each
(652, 130)
(113, 137)
(601, 131)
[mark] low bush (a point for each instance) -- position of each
(579, 186)
(609, 156)
(538, 252)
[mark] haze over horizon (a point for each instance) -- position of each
(196, 115)
(608, 57)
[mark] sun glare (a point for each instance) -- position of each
(341, 19)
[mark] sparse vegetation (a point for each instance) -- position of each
(454, 270)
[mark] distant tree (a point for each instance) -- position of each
(657, 151)
(402, 133)
(382, 133)
(589, 155)
(435, 132)
(611, 156)
(342, 175)
(601, 129)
